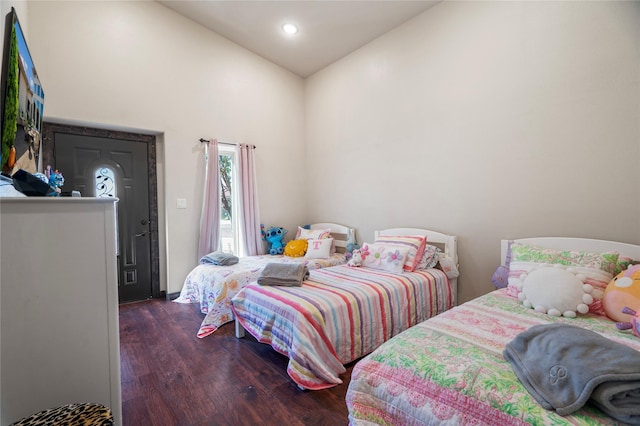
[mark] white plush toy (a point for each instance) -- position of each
(448, 266)
(356, 258)
(555, 291)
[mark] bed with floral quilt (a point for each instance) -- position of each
(342, 313)
(213, 286)
(452, 369)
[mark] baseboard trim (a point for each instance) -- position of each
(171, 296)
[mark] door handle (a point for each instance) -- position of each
(142, 234)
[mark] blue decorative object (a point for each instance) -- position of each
(352, 244)
(274, 236)
(54, 178)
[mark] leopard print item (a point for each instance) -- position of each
(70, 415)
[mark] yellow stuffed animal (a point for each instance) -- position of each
(623, 291)
(296, 248)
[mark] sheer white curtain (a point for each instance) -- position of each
(249, 218)
(210, 217)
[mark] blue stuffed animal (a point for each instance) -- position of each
(56, 180)
(274, 236)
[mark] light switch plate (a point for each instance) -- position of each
(181, 203)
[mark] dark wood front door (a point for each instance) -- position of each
(99, 166)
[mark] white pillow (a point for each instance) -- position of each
(386, 257)
(319, 249)
(312, 234)
(556, 291)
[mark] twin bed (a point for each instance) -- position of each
(450, 369)
(342, 313)
(420, 359)
(214, 286)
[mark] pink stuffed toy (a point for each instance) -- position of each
(622, 291)
(633, 324)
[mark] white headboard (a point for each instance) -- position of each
(449, 245)
(580, 244)
(340, 234)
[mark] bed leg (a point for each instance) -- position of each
(239, 330)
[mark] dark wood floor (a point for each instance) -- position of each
(170, 377)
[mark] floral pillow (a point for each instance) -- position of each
(596, 268)
(429, 257)
(623, 264)
(386, 257)
(415, 245)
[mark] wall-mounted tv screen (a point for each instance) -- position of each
(22, 103)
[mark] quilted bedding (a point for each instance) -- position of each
(338, 315)
(449, 370)
(213, 286)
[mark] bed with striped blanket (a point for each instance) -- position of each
(338, 315)
(343, 313)
(213, 286)
(450, 370)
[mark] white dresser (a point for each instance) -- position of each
(59, 305)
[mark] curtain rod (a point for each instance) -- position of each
(203, 140)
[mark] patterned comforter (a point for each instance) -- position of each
(338, 315)
(449, 370)
(213, 286)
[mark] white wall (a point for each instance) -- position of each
(139, 65)
(487, 120)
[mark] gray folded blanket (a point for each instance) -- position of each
(219, 258)
(563, 367)
(285, 274)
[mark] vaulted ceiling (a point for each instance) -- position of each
(328, 30)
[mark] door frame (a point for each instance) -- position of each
(49, 130)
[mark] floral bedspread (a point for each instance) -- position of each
(449, 370)
(213, 286)
(338, 315)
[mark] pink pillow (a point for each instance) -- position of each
(414, 243)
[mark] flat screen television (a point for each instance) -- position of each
(22, 100)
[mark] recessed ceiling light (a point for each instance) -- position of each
(289, 28)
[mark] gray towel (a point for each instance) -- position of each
(285, 274)
(563, 367)
(218, 258)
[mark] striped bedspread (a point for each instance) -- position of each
(213, 286)
(339, 315)
(449, 370)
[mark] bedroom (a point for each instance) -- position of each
(478, 100)
(496, 115)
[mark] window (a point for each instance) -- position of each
(229, 230)
(105, 183)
